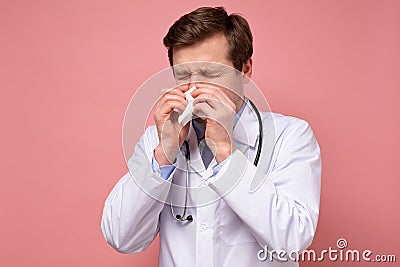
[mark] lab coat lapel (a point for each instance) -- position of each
(245, 132)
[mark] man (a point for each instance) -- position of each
(228, 203)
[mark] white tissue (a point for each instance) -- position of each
(187, 115)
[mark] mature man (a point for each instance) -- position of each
(238, 189)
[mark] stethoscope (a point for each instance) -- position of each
(189, 218)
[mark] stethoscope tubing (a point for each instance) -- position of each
(189, 218)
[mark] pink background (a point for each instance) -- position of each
(69, 69)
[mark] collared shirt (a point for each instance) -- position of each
(237, 213)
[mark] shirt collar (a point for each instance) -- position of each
(244, 129)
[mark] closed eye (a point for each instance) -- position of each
(182, 75)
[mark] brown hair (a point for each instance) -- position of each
(203, 23)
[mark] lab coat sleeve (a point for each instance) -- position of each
(131, 211)
(282, 213)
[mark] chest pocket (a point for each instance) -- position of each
(232, 230)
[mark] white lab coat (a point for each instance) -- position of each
(275, 205)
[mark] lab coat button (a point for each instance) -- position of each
(203, 227)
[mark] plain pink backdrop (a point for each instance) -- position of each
(69, 69)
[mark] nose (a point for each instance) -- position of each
(191, 84)
(196, 78)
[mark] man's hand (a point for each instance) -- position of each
(171, 134)
(213, 104)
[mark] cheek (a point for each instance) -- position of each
(234, 83)
(234, 92)
(233, 95)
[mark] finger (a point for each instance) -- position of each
(207, 94)
(174, 91)
(208, 99)
(218, 88)
(221, 96)
(219, 107)
(204, 90)
(211, 88)
(214, 94)
(215, 103)
(169, 106)
(216, 91)
(171, 96)
(182, 87)
(180, 108)
(203, 110)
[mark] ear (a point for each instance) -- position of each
(247, 70)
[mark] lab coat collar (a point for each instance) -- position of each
(246, 129)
